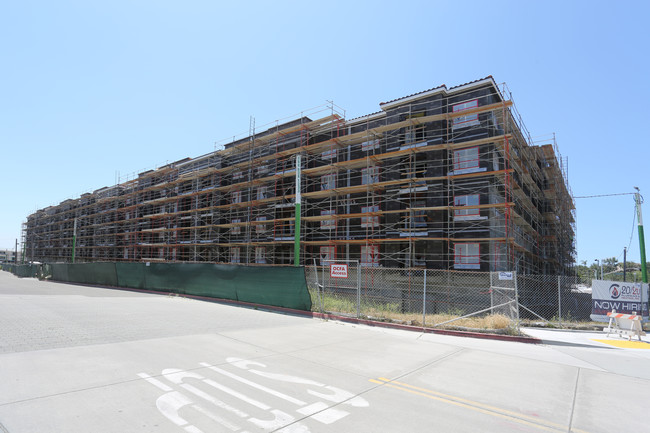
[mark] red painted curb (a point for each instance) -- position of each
(470, 334)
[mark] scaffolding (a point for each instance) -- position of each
(442, 179)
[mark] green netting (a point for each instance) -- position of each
(202, 279)
(26, 271)
(131, 275)
(59, 271)
(277, 286)
(7, 267)
(93, 273)
(29, 270)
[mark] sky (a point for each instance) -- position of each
(93, 92)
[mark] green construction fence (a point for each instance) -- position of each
(277, 286)
(23, 271)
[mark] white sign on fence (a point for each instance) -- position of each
(339, 271)
(626, 298)
(505, 275)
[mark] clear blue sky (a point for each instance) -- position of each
(89, 89)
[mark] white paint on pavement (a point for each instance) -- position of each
(254, 385)
(233, 416)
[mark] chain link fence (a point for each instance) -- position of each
(561, 300)
(486, 301)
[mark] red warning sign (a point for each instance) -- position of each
(339, 271)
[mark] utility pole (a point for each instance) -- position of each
(296, 243)
(624, 262)
(638, 201)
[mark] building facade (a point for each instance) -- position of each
(9, 256)
(447, 178)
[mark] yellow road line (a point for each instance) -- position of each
(626, 344)
(476, 406)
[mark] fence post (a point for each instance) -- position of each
(491, 294)
(358, 290)
(559, 300)
(516, 277)
(424, 301)
(318, 287)
(323, 280)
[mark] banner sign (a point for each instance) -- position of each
(505, 275)
(625, 298)
(339, 271)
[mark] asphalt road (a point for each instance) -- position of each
(84, 359)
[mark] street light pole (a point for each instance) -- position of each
(601, 269)
(602, 274)
(638, 201)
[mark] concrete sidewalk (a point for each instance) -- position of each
(79, 359)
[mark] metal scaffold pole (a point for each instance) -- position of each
(74, 239)
(296, 245)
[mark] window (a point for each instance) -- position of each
(327, 255)
(466, 200)
(370, 221)
(419, 260)
(369, 175)
(419, 215)
(414, 134)
(287, 165)
(237, 229)
(260, 228)
(237, 175)
(234, 255)
(415, 219)
(369, 145)
(260, 255)
(328, 224)
(262, 169)
(329, 154)
(261, 193)
(466, 159)
(236, 196)
(370, 255)
(465, 121)
(467, 256)
(328, 182)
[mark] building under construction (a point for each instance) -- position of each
(447, 178)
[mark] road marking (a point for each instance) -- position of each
(239, 395)
(254, 385)
(170, 404)
(216, 418)
(176, 376)
(476, 406)
(337, 396)
(155, 382)
(182, 396)
(626, 344)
